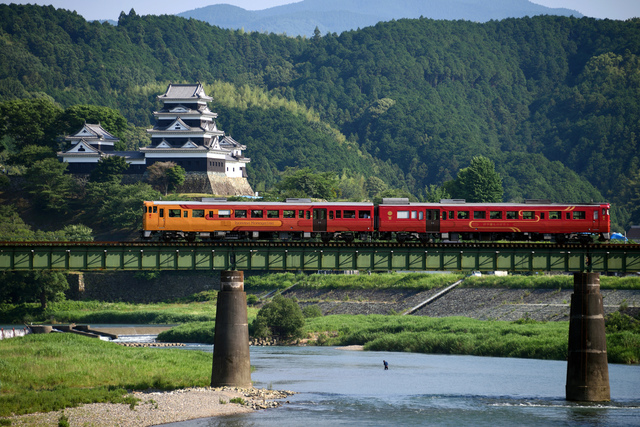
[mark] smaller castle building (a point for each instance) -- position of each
(185, 133)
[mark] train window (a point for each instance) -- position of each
(186, 214)
(210, 215)
(444, 214)
(161, 213)
(273, 214)
(338, 214)
(301, 214)
(414, 214)
(479, 214)
(451, 214)
(224, 213)
(421, 215)
(256, 213)
(541, 215)
(198, 213)
(579, 215)
(512, 214)
(528, 215)
(364, 214)
(330, 214)
(554, 214)
(495, 215)
(349, 214)
(288, 214)
(403, 214)
(568, 215)
(155, 209)
(241, 213)
(174, 213)
(308, 214)
(595, 214)
(463, 214)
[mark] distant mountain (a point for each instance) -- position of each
(336, 16)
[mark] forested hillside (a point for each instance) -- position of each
(553, 101)
(336, 16)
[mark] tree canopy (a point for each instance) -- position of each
(551, 100)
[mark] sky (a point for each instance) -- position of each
(92, 9)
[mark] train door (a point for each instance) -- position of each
(319, 220)
(161, 218)
(432, 217)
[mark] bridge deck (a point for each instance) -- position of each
(518, 257)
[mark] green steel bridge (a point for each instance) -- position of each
(280, 256)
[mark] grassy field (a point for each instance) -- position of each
(109, 312)
(40, 373)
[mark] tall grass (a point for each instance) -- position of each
(461, 335)
(404, 281)
(103, 312)
(40, 373)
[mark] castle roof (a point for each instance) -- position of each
(193, 92)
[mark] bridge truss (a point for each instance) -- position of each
(281, 256)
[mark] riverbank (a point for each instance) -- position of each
(159, 407)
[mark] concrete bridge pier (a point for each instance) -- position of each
(231, 362)
(587, 368)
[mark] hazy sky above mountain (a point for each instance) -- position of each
(91, 9)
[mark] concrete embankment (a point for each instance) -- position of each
(477, 303)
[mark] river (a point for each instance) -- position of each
(339, 387)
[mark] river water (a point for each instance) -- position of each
(339, 387)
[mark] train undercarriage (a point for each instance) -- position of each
(401, 237)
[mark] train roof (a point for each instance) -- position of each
(283, 204)
(449, 203)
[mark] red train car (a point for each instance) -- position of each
(295, 219)
(455, 220)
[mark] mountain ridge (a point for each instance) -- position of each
(336, 16)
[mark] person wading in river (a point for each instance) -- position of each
(386, 365)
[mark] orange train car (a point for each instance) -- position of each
(295, 219)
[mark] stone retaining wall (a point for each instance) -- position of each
(140, 287)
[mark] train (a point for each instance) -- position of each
(449, 220)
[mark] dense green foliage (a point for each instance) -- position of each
(552, 101)
(42, 286)
(281, 317)
(41, 373)
(479, 183)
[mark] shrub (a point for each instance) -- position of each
(281, 317)
(311, 311)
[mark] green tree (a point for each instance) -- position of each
(374, 186)
(176, 176)
(30, 122)
(74, 117)
(49, 186)
(77, 233)
(478, 183)
(308, 183)
(109, 168)
(434, 194)
(165, 176)
(40, 286)
(281, 317)
(118, 206)
(29, 154)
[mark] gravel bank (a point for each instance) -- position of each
(157, 408)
